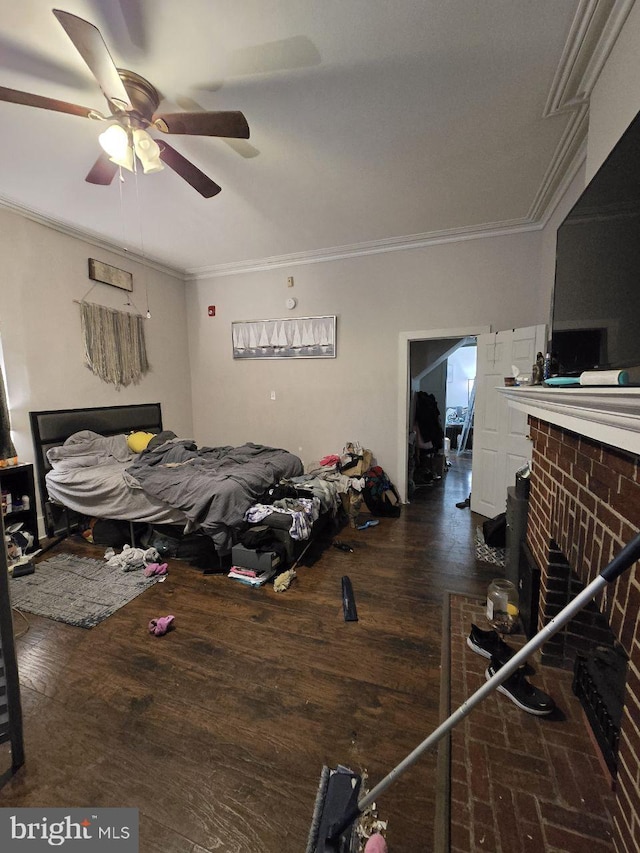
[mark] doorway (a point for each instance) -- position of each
(460, 395)
(441, 407)
(435, 346)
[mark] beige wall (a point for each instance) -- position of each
(321, 404)
(43, 272)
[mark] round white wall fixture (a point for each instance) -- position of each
(291, 303)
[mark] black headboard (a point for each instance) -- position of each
(52, 428)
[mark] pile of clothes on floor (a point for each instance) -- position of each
(356, 480)
(290, 513)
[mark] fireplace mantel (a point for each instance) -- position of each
(610, 415)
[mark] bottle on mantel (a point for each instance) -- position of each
(546, 368)
(536, 370)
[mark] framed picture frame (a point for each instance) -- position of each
(288, 337)
(106, 274)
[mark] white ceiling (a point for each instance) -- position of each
(374, 123)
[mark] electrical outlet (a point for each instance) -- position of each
(211, 310)
(273, 395)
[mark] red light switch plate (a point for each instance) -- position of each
(211, 310)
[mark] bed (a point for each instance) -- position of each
(84, 466)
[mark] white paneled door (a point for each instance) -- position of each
(500, 443)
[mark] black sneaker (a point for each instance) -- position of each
(521, 693)
(488, 644)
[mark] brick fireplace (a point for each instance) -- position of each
(584, 506)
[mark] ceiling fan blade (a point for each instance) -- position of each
(103, 171)
(185, 168)
(94, 51)
(14, 96)
(231, 123)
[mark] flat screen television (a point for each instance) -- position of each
(596, 299)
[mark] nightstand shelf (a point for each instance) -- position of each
(18, 481)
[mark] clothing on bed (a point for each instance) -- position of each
(303, 512)
(212, 486)
(328, 485)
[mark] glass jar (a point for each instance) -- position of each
(502, 606)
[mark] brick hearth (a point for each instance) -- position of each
(520, 783)
(585, 503)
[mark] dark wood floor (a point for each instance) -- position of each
(217, 731)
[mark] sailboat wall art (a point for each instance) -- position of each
(291, 337)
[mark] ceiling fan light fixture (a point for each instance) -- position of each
(147, 150)
(115, 141)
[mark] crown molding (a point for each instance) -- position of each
(569, 155)
(592, 35)
(373, 247)
(87, 236)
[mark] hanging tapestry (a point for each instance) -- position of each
(7, 449)
(114, 344)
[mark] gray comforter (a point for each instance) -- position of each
(87, 476)
(212, 486)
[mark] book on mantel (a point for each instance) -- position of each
(251, 576)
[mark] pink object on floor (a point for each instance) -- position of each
(160, 625)
(376, 844)
(155, 569)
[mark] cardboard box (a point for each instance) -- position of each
(249, 559)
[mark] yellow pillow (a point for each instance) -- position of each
(137, 441)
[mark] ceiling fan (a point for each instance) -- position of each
(133, 104)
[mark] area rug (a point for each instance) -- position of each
(77, 590)
(486, 553)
